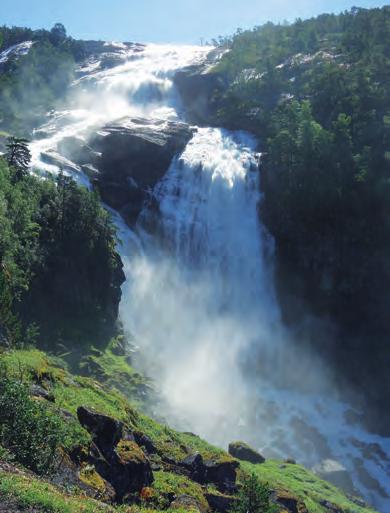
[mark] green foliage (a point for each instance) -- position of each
(53, 234)
(27, 429)
(253, 497)
(18, 156)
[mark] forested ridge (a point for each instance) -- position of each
(60, 275)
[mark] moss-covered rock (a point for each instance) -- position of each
(245, 452)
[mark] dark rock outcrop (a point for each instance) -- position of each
(222, 473)
(38, 391)
(187, 503)
(219, 502)
(245, 452)
(115, 455)
(105, 430)
(197, 85)
(135, 155)
(290, 502)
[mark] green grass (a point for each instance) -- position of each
(176, 445)
(167, 483)
(29, 492)
(73, 391)
(303, 484)
(114, 369)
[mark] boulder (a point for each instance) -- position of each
(135, 155)
(186, 503)
(195, 466)
(130, 469)
(115, 455)
(223, 474)
(243, 451)
(105, 430)
(38, 391)
(289, 501)
(144, 441)
(219, 502)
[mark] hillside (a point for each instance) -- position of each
(164, 474)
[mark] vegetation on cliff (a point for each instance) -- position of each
(59, 271)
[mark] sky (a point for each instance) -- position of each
(165, 21)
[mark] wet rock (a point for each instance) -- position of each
(290, 461)
(187, 503)
(335, 473)
(38, 391)
(77, 150)
(245, 452)
(219, 502)
(135, 155)
(53, 158)
(197, 85)
(84, 477)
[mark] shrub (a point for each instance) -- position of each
(253, 497)
(28, 430)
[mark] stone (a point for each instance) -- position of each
(135, 155)
(243, 451)
(187, 503)
(195, 466)
(144, 441)
(38, 391)
(223, 474)
(105, 430)
(130, 470)
(290, 502)
(76, 150)
(219, 502)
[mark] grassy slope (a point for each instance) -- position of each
(71, 391)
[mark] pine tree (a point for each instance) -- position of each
(18, 156)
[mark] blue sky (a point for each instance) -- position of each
(184, 21)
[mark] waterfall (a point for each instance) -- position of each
(199, 296)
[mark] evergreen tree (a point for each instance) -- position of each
(18, 156)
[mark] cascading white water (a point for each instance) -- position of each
(199, 294)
